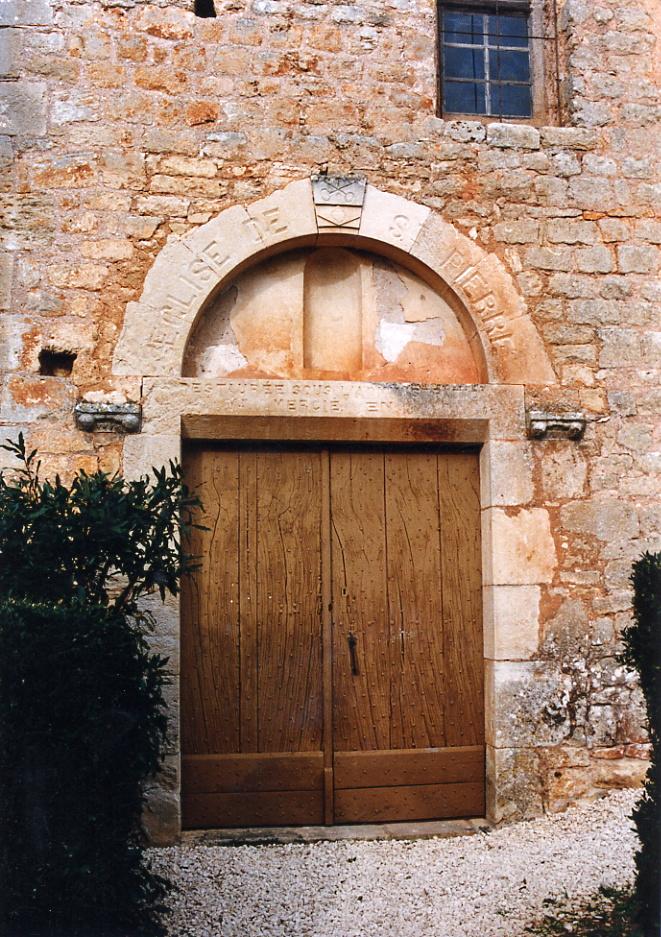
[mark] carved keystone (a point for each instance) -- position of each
(542, 425)
(108, 417)
(338, 202)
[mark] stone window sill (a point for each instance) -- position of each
(541, 121)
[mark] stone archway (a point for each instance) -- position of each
(190, 270)
(190, 274)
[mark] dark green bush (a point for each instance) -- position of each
(83, 724)
(642, 643)
(81, 695)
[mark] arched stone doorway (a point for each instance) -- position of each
(211, 372)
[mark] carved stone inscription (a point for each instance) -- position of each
(215, 259)
(465, 277)
(318, 398)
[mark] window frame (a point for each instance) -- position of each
(541, 64)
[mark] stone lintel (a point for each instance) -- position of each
(544, 425)
(498, 407)
(108, 417)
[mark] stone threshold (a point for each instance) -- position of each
(364, 832)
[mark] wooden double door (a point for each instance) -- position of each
(332, 663)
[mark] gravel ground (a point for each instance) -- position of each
(486, 885)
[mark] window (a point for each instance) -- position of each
(487, 60)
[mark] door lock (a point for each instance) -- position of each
(353, 641)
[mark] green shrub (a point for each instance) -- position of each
(642, 643)
(81, 694)
(83, 724)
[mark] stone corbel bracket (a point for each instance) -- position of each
(543, 425)
(338, 202)
(108, 417)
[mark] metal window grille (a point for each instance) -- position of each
(486, 60)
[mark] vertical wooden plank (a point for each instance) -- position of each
(414, 600)
(289, 601)
(327, 637)
(210, 619)
(459, 496)
(361, 713)
(248, 597)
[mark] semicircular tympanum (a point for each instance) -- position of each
(332, 314)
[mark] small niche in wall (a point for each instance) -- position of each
(204, 8)
(56, 363)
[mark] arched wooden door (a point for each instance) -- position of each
(332, 664)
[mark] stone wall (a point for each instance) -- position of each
(126, 124)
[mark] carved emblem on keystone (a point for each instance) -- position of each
(338, 202)
(108, 417)
(338, 190)
(543, 425)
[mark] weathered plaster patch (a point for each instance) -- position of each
(392, 338)
(220, 359)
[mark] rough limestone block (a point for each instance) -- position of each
(505, 474)
(511, 622)
(10, 52)
(547, 258)
(572, 138)
(6, 272)
(608, 519)
(161, 818)
(517, 549)
(647, 229)
(513, 135)
(130, 351)
(142, 453)
(637, 258)
(526, 700)
(514, 784)
(82, 276)
(391, 219)
(563, 472)
(594, 260)
(25, 13)
(23, 108)
(517, 232)
(571, 231)
(621, 348)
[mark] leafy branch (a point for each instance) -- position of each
(102, 538)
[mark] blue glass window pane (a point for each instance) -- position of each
(511, 100)
(463, 97)
(464, 28)
(463, 63)
(508, 30)
(509, 66)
